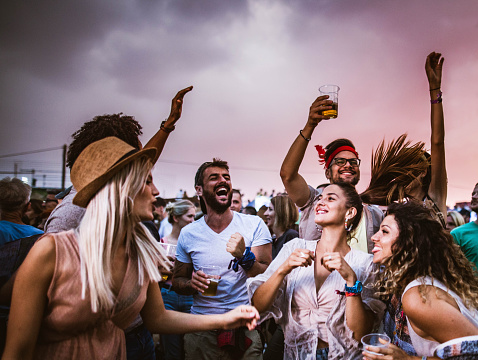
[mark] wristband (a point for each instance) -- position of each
(438, 99)
(246, 261)
(166, 130)
(356, 289)
(306, 139)
(347, 294)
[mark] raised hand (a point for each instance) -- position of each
(334, 261)
(236, 245)
(242, 316)
(315, 112)
(433, 68)
(177, 106)
(300, 257)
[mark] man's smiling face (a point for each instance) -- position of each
(343, 174)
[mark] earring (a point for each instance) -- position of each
(347, 226)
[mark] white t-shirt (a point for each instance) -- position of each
(200, 245)
(165, 228)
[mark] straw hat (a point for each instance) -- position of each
(98, 163)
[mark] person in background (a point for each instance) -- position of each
(432, 278)
(240, 245)
(236, 202)
(180, 214)
(318, 322)
(14, 239)
(453, 220)
(249, 210)
(14, 200)
(466, 236)
(159, 213)
(78, 289)
(281, 216)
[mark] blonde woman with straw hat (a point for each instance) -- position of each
(77, 290)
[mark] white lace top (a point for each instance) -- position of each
(306, 316)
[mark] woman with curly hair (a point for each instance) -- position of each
(323, 312)
(430, 275)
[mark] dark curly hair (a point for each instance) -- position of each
(122, 126)
(424, 248)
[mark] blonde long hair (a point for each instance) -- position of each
(109, 215)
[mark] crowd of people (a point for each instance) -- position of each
(307, 277)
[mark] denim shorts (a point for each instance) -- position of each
(322, 354)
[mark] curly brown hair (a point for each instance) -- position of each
(121, 126)
(424, 248)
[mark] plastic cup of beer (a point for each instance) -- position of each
(170, 252)
(213, 274)
(333, 92)
(375, 339)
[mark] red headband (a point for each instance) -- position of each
(321, 152)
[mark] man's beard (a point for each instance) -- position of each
(210, 200)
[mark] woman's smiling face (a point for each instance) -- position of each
(384, 239)
(331, 207)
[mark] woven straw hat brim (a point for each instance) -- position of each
(86, 192)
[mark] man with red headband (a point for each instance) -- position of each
(341, 163)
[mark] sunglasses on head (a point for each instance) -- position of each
(341, 161)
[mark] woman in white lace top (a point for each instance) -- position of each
(299, 289)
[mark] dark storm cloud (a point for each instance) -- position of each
(69, 42)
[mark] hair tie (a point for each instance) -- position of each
(321, 152)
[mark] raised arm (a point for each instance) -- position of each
(294, 183)
(29, 300)
(438, 184)
(159, 139)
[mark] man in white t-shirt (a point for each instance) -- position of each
(239, 244)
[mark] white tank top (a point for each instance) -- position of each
(425, 347)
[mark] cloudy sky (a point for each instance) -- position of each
(255, 65)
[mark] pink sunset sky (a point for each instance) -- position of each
(256, 67)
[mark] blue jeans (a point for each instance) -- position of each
(322, 354)
(139, 344)
(173, 345)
